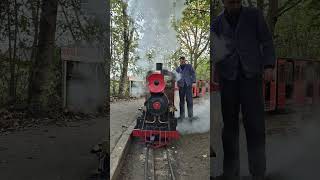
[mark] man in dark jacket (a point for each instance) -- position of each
(186, 79)
(243, 53)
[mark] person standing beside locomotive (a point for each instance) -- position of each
(187, 78)
(243, 53)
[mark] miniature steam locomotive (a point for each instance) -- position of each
(157, 124)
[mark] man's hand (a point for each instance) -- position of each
(269, 74)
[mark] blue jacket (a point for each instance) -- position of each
(250, 44)
(188, 75)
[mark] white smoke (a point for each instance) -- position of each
(154, 18)
(177, 75)
(201, 124)
(138, 89)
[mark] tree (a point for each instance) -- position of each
(107, 68)
(127, 31)
(193, 30)
(294, 25)
(299, 36)
(35, 10)
(124, 42)
(276, 8)
(44, 56)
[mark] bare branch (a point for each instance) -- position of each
(80, 26)
(68, 22)
(185, 43)
(283, 9)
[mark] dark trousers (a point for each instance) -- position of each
(249, 94)
(185, 93)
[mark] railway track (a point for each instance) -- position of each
(158, 164)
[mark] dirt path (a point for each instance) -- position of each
(193, 157)
(51, 153)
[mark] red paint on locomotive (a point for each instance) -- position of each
(156, 83)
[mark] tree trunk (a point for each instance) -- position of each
(114, 83)
(272, 15)
(107, 65)
(191, 57)
(35, 20)
(44, 56)
(13, 82)
(212, 99)
(35, 6)
(126, 49)
(211, 43)
(12, 63)
(195, 61)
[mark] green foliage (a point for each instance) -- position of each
(196, 14)
(203, 70)
(117, 42)
(297, 33)
(193, 32)
(53, 86)
(297, 27)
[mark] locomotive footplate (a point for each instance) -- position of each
(156, 138)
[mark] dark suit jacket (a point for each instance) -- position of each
(188, 75)
(250, 44)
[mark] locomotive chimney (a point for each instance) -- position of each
(159, 67)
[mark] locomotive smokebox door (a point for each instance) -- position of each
(156, 83)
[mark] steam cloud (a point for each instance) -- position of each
(156, 31)
(177, 75)
(289, 157)
(85, 93)
(138, 90)
(296, 157)
(156, 34)
(201, 110)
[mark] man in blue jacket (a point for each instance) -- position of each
(185, 81)
(243, 53)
